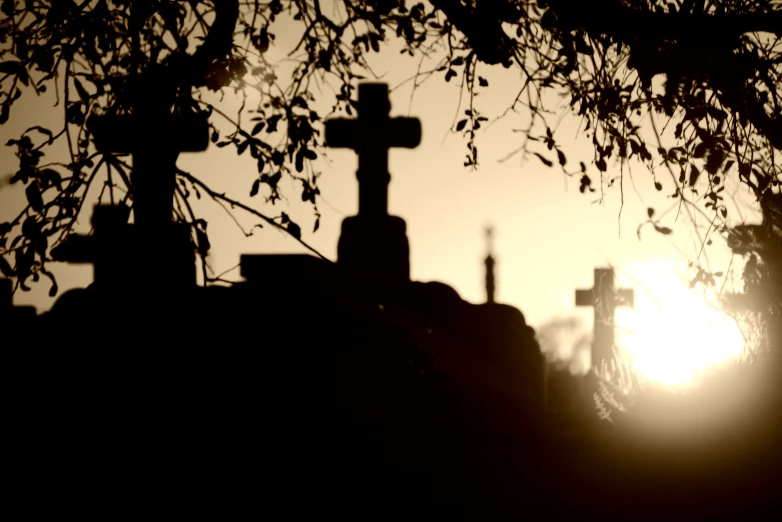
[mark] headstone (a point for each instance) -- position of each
(373, 245)
(605, 300)
(157, 128)
(118, 262)
(9, 314)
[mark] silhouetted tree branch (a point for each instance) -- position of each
(720, 61)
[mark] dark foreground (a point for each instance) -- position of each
(312, 415)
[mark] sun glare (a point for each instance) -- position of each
(672, 333)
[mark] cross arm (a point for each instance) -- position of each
(585, 297)
(625, 297)
(406, 132)
(339, 133)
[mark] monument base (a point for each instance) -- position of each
(375, 250)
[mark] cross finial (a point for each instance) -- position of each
(605, 300)
(371, 135)
(489, 239)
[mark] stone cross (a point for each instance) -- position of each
(371, 135)
(605, 300)
(489, 261)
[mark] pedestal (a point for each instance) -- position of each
(375, 251)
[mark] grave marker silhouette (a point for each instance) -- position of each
(371, 135)
(373, 245)
(605, 300)
(156, 121)
(489, 262)
(10, 314)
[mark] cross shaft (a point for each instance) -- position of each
(605, 299)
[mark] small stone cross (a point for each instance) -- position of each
(371, 135)
(605, 300)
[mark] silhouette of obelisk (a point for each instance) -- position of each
(489, 262)
(373, 245)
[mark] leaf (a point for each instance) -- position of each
(658, 185)
(461, 125)
(294, 230)
(54, 288)
(482, 81)
(586, 182)
(583, 167)
(545, 161)
(601, 165)
(663, 230)
(51, 178)
(203, 242)
(255, 187)
(40, 244)
(694, 173)
(10, 67)
(5, 268)
(650, 212)
(258, 128)
(34, 197)
(561, 157)
(85, 97)
(242, 147)
(317, 225)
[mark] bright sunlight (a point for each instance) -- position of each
(672, 333)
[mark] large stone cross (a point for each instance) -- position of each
(605, 300)
(371, 135)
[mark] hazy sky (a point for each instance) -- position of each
(549, 237)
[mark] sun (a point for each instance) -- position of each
(672, 333)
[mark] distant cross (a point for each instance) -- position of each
(371, 135)
(605, 300)
(489, 266)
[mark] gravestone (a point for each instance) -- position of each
(159, 126)
(605, 299)
(373, 245)
(9, 314)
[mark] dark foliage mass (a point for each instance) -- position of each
(716, 117)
